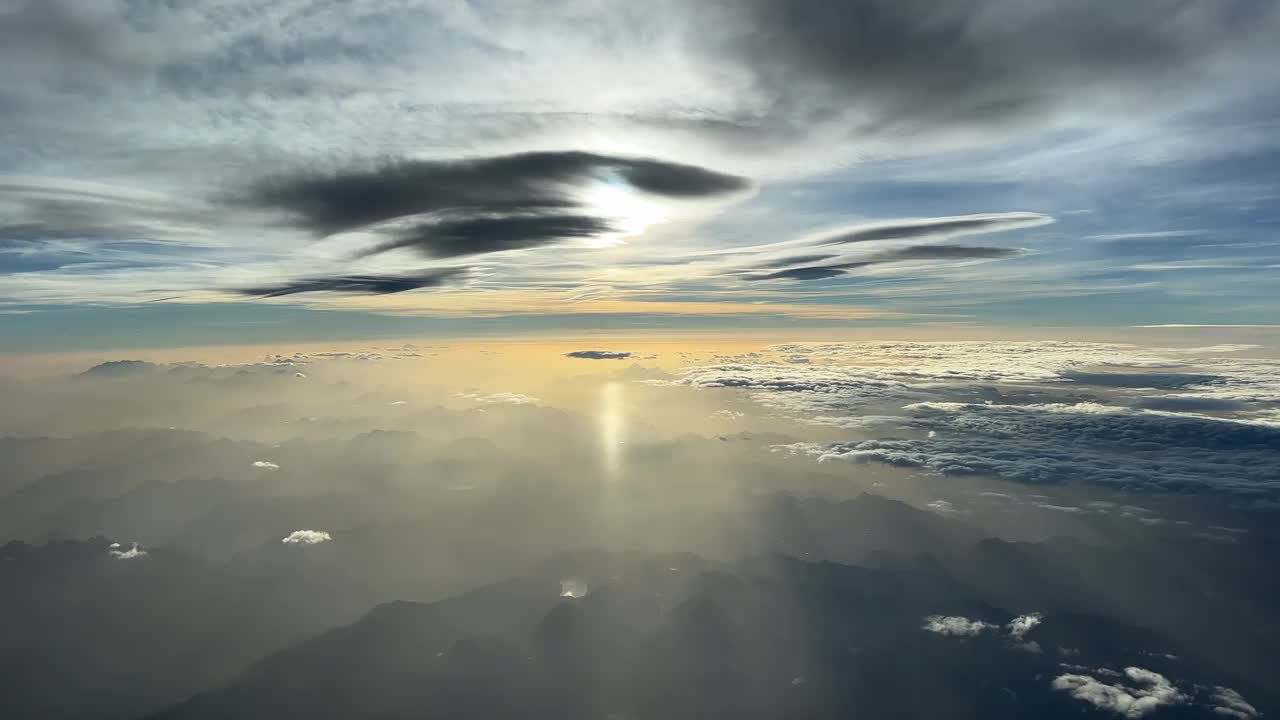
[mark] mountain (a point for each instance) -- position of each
(681, 637)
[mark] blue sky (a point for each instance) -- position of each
(174, 174)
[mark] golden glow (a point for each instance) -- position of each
(612, 429)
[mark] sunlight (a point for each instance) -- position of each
(629, 211)
(612, 429)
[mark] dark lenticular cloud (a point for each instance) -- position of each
(811, 272)
(945, 252)
(598, 355)
(467, 207)
(358, 284)
(912, 229)
(518, 184)
(915, 252)
(473, 236)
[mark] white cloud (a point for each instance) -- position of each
(499, 398)
(1023, 624)
(265, 465)
(306, 537)
(1146, 692)
(573, 588)
(1018, 629)
(943, 507)
(1229, 703)
(955, 625)
(131, 553)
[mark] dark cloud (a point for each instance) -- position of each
(358, 284)
(910, 66)
(519, 184)
(911, 229)
(945, 252)
(494, 234)
(812, 272)
(598, 355)
(675, 180)
(915, 252)
(793, 260)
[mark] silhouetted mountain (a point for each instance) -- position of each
(772, 637)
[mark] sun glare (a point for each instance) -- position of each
(629, 211)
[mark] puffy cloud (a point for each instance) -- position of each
(133, 552)
(1229, 703)
(1023, 624)
(955, 625)
(1018, 629)
(265, 465)
(306, 537)
(1146, 692)
(598, 354)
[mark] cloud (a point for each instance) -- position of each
(799, 253)
(1147, 692)
(1046, 444)
(816, 272)
(934, 227)
(912, 253)
(907, 69)
(955, 625)
(306, 537)
(130, 554)
(500, 398)
(598, 355)
(472, 236)
(481, 204)
(265, 465)
(1229, 703)
(943, 507)
(573, 588)
(1023, 624)
(359, 284)
(1019, 433)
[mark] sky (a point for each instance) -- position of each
(668, 359)
(183, 173)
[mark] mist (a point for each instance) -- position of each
(660, 531)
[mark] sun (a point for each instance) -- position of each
(628, 211)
